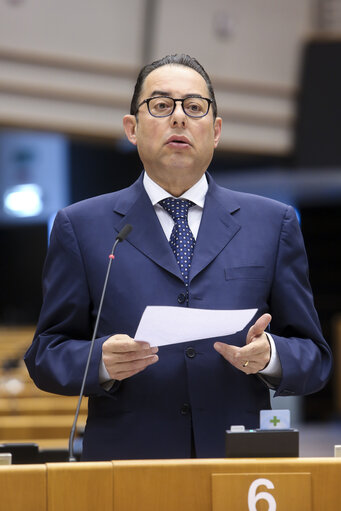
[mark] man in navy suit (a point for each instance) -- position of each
(177, 401)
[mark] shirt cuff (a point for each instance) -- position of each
(274, 368)
(104, 377)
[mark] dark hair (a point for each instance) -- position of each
(181, 60)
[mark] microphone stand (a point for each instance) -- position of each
(120, 237)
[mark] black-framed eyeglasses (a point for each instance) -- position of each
(164, 106)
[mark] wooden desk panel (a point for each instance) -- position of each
(165, 485)
(186, 485)
(79, 486)
(23, 487)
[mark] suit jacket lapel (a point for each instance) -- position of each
(217, 227)
(134, 208)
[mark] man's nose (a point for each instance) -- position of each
(178, 117)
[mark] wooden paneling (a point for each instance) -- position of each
(23, 427)
(167, 485)
(80, 486)
(28, 414)
(23, 487)
(186, 485)
(55, 405)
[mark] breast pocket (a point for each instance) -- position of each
(246, 273)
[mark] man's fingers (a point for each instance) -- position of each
(136, 365)
(131, 356)
(122, 370)
(255, 348)
(258, 328)
(254, 356)
(250, 359)
(123, 356)
(236, 357)
(123, 343)
(234, 354)
(230, 353)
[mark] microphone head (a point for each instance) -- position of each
(124, 232)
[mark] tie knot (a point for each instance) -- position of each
(177, 208)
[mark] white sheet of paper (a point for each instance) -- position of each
(160, 325)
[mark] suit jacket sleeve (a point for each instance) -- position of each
(57, 357)
(304, 354)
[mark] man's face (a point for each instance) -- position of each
(174, 165)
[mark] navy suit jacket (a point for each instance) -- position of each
(249, 253)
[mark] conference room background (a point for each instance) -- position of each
(277, 77)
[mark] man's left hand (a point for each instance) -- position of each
(255, 355)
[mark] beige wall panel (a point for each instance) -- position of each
(251, 49)
(246, 137)
(72, 118)
(74, 63)
(98, 83)
(257, 105)
(108, 30)
(252, 40)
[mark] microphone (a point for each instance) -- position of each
(120, 237)
(122, 234)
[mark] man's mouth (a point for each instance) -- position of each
(178, 141)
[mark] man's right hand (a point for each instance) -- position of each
(123, 357)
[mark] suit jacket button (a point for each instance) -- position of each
(185, 409)
(181, 298)
(190, 352)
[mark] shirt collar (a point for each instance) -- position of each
(195, 194)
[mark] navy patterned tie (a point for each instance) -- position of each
(181, 241)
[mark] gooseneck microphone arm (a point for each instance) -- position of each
(120, 237)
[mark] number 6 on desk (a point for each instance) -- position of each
(254, 497)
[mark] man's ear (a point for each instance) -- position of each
(217, 130)
(129, 124)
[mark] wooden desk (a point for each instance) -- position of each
(187, 485)
(23, 487)
(169, 485)
(80, 486)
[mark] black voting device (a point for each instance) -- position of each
(257, 443)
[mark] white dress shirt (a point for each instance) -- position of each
(195, 194)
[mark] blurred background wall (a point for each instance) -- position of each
(67, 72)
(71, 66)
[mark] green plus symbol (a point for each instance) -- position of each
(275, 421)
